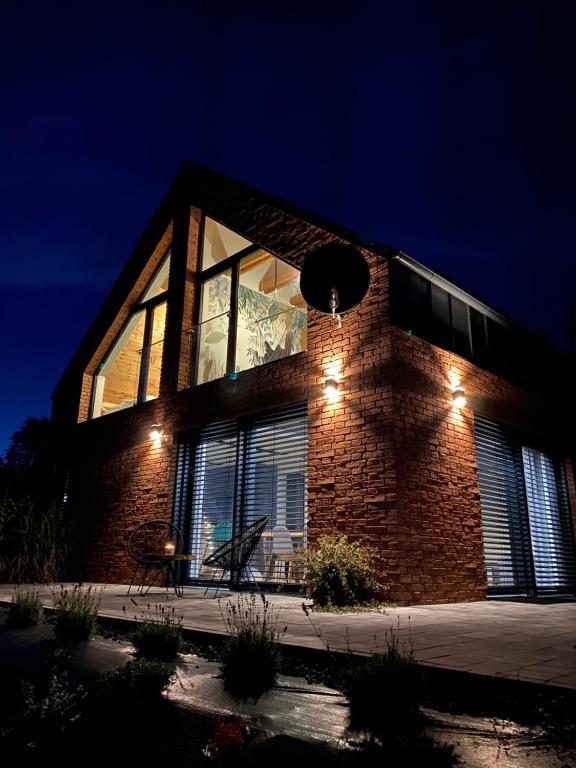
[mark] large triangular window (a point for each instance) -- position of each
(130, 372)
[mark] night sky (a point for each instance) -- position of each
(445, 128)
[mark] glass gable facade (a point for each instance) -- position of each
(130, 372)
(252, 311)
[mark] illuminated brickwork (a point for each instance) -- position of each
(391, 461)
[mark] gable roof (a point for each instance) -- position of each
(282, 228)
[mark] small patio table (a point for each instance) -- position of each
(174, 571)
(156, 547)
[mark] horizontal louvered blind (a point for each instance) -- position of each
(274, 478)
(549, 517)
(275, 483)
(181, 491)
(503, 504)
(528, 542)
(214, 477)
(234, 472)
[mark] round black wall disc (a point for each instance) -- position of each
(338, 267)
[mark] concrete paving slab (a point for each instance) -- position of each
(529, 641)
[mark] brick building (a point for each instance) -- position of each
(206, 335)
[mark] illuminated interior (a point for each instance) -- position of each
(131, 370)
(220, 243)
(270, 312)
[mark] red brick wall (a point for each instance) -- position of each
(119, 478)
(351, 476)
(113, 488)
(391, 461)
(437, 552)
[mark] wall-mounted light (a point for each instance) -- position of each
(330, 386)
(459, 397)
(155, 433)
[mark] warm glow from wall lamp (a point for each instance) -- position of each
(155, 433)
(459, 397)
(330, 386)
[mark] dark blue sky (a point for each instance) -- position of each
(444, 128)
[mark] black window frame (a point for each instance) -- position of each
(510, 529)
(242, 429)
(504, 348)
(231, 263)
(148, 308)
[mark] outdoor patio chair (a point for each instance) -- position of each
(154, 546)
(234, 556)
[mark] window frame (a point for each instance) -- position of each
(190, 476)
(513, 510)
(418, 318)
(148, 308)
(231, 263)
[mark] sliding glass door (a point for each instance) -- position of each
(215, 477)
(547, 502)
(526, 524)
(274, 484)
(234, 472)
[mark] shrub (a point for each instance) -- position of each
(339, 573)
(159, 634)
(44, 719)
(35, 542)
(250, 659)
(75, 612)
(25, 610)
(139, 678)
(384, 694)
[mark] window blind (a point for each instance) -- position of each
(502, 499)
(214, 487)
(528, 543)
(549, 518)
(275, 485)
(276, 453)
(234, 472)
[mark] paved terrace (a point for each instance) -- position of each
(535, 642)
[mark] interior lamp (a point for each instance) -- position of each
(459, 397)
(155, 433)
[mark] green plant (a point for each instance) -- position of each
(250, 659)
(75, 612)
(384, 694)
(34, 541)
(339, 572)
(139, 678)
(158, 634)
(45, 718)
(25, 610)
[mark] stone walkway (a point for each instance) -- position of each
(534, 642)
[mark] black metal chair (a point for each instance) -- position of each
(153, 545)
(234, 556)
